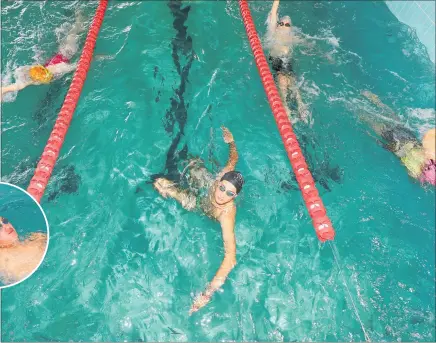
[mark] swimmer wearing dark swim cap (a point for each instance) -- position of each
(235, 178)
(218, 204)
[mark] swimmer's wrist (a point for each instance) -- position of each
(209, 292)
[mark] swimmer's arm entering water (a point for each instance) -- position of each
(273, 17)
(229, 262)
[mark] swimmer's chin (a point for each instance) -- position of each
(219, 202)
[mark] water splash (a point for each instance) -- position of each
(356, 312)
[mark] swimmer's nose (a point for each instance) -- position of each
(9, 230)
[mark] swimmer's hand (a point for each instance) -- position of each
(199, 302)
(304, 114)
(227, 135)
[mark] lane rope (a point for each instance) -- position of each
(45, 166)
(322, 224)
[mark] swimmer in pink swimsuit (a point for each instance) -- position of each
(54, 68)
(56, 59)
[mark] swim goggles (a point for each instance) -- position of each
(3, 221)
(430, 164)
(230, 194)
(282, 23)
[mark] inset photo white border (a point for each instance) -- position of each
(48, 235)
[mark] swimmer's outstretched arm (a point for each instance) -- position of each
(229, 261)
(273, 17)
(15, 87)
(233, 153)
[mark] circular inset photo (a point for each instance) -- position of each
(24, 235)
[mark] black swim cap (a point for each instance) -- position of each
(235, 178)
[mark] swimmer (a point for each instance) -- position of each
(53, 69)
(280, 40)
(217, 203)
(418, 157)
(19, 258)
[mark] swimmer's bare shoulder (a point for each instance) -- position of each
(38, 237)
(62, 68)
(229, 212)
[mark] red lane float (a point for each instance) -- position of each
(51, 151)
(322, 224)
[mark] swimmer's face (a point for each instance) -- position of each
(285, 24)
(429, 173)
(8, 235)
(224, 193)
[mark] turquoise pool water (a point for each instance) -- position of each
(124, 264)
(22, 212)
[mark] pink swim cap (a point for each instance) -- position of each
(429, 172)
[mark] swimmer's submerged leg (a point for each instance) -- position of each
(168, 188)
(373, 122)
(379, 131)
(283, 82)
(303, 113)
(288, 86)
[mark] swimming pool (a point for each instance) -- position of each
(124, 264)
